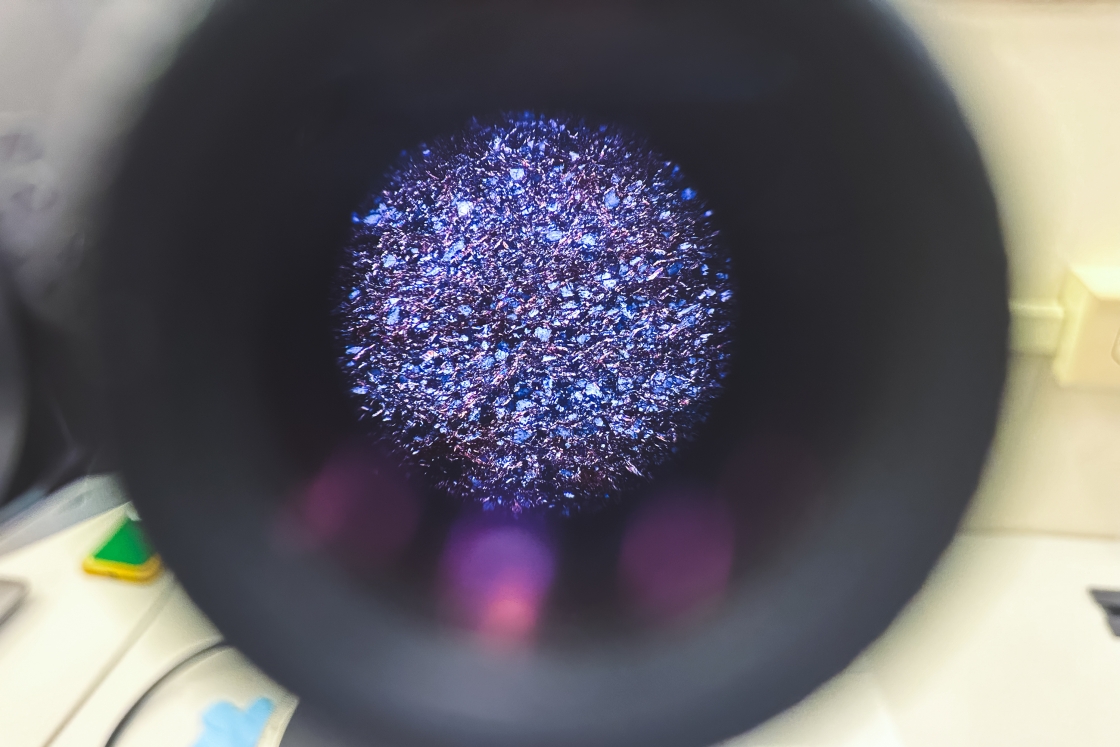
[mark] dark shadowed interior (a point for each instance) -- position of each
(868, 364)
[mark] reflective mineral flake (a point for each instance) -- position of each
(534, 313)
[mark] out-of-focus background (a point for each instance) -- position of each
(1004, 646)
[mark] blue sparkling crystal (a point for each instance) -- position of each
(504, 308)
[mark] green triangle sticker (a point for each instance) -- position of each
(125, 555)
(127, 545)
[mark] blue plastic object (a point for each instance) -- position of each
(226, 725)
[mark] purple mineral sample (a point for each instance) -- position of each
(535, 313)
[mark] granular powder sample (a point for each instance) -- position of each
(534, 313)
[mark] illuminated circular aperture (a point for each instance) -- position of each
(535, 312)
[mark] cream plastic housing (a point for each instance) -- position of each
(1089, 350)
(1036, 327)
